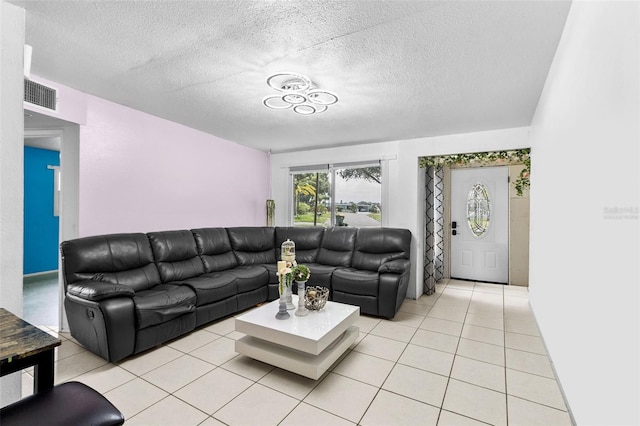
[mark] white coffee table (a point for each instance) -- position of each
(306, 345)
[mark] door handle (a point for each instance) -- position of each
(454, 232)
(454, 225)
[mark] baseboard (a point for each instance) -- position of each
(39, 277)
(553, 368)
(38, 274)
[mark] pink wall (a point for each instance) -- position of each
(142, 173)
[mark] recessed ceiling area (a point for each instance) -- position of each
(402, 69)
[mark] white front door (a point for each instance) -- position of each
(480, 224)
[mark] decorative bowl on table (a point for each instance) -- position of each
(315, 297)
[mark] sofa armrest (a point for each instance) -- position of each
(398, 266)
(98, 290)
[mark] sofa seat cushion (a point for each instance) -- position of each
(213, 287)
(250, 277)
(320, 274)
(272, 268)
(355, 281)
(163, 303)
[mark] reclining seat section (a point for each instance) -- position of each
(176, 255)
(217, 289)
(378, 278)
(336, 251)
(253, 248)
(115, 301)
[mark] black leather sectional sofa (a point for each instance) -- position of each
(126, 293)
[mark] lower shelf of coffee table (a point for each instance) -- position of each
(304, 364)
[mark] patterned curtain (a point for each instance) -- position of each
(434, 235)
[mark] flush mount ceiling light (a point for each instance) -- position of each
(297, 92)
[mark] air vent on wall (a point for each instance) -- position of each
(38, 94)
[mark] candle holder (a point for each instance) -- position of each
(282, 308)
(288, 298)
(285, 279)
(302, 311)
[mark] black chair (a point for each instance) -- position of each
(70, 403)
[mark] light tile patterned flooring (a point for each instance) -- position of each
(470, 354)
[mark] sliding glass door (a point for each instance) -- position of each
(311, 195)
(337, 195)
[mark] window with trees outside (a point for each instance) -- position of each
(337, 195)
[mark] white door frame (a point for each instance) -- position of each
(68, 136)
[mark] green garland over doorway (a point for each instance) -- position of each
(516, 156)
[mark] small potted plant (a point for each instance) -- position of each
(301, 273)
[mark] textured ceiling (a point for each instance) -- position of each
(401, 69)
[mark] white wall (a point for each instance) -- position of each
(403, 182)
(11, 171)
(584, 212)
(69, 165)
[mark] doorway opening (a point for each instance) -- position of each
(43, 293)
(41, 227)
(439, 223)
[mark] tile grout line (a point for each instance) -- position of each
(395, 363)
(446, 388)
(553, 369)
(504, 337)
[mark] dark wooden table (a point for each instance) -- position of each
(23, 345)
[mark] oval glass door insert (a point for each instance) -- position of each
(478, 209)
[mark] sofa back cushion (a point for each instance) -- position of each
(337, 246)
(374, 246)
(253, 245)
(176, 255)
(215, 249)
(307, 242)
(116, 258)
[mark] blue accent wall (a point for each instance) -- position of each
(41, 227)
